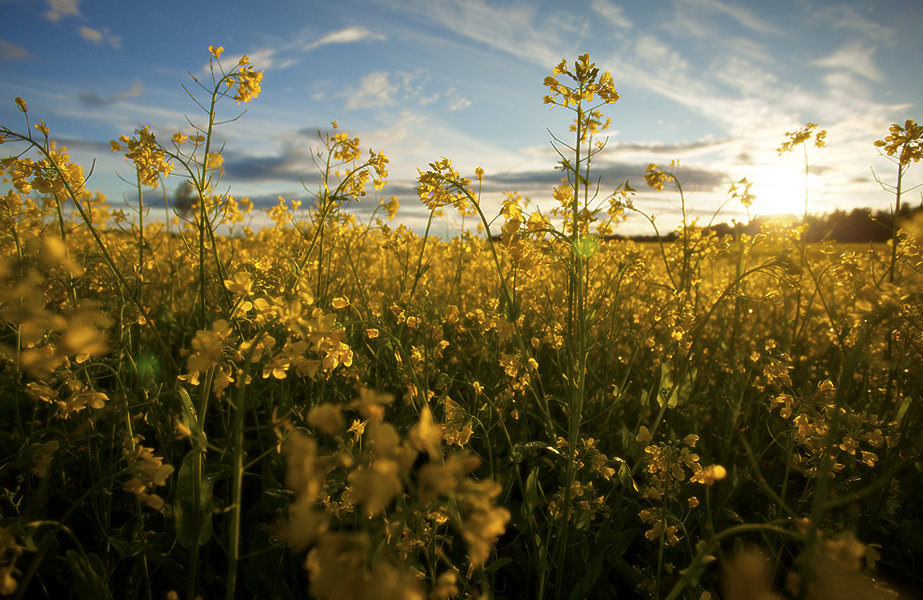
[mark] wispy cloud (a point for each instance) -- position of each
(100, 36)
(265, 58)
(375, 89)
(58, 9)
(846, 17)
(10, 51)
(611, 12)
(518, 30)
(61, 8)
(93, 100)
(854, 57)
(663, 60)
(344, 36)
(459, 103)
(742, 15)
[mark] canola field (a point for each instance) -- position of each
(344, 410)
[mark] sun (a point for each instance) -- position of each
(780, 189)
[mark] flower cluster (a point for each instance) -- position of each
(906, 141)
(149, 158)
(741, 191)
(54, 176)
(655, 177)
(246, 80)
(148, 472)
(584, 75)
(444, 186)
(803, 136)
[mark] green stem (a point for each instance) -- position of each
(237, 474)
(692, 571)
(576, 361)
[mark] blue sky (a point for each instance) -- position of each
(714, 84)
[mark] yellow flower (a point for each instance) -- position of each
(655, 178)
(443, 186)
(585, 77)
(908, 139)
(216, 52)
(357, 428)
(21, 104)
(446, 586)
(802, 136)
(426, 435)
(709, 475)
(391, 206)
(745, 197)
(248, 84)
(149, 158)
(563, 194)
(327, 417)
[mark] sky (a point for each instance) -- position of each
(712, 84)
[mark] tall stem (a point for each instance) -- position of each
(894, 223)
(576, 364)
(237, 474)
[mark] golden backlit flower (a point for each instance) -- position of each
(709, 475)
(906, 141)
(802, 136)
(655, 178)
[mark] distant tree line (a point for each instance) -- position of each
(859, 225)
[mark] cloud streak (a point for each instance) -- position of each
(100, 36)
(348, 35)
(61, 8)
(93, 100)
(10, 51)
(854, 57)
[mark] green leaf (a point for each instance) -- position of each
(586, 583)
(541, 553)
(500, 562)
(188, 418)
(625, 478)
(520, 449)
(87, 582)
(531, 494)
(185, 510)
(683, 390)
(127, 549)
(148, 369)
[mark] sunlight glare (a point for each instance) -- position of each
(779, 189)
